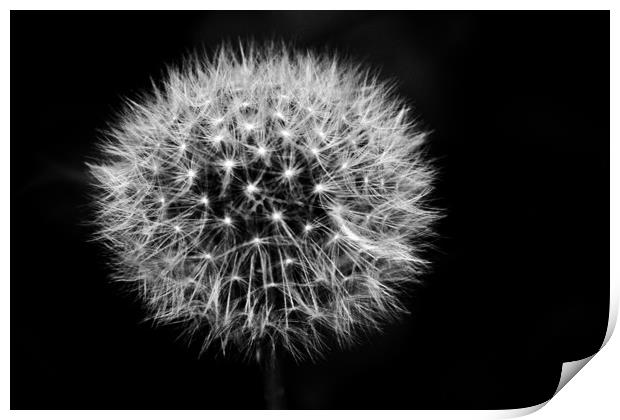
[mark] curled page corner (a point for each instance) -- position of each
(569, 370)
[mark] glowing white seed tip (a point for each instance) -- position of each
(177, 228)
(183, 146)
(251, 188)
(285, 133)
(207, 256)
(218, 138)
(288, 261)
(345, 165)
(319, 188)
(289, 173)
(227, 220)
(308, 227)
(276, 216)
(320, 133)
(191, 173)
(257, 240)
(162, 200)
(365, 180)
(314, 151)
(204, 200)
(261, 151)
(218, 121)
(278, 115)
(229, 164)
(248, 126)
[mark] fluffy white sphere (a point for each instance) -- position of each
(266, 197)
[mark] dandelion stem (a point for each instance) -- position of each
(272, 377)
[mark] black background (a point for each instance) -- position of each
(519, 107)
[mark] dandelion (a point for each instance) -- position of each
(297, 216)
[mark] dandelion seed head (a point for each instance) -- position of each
(317, 252)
